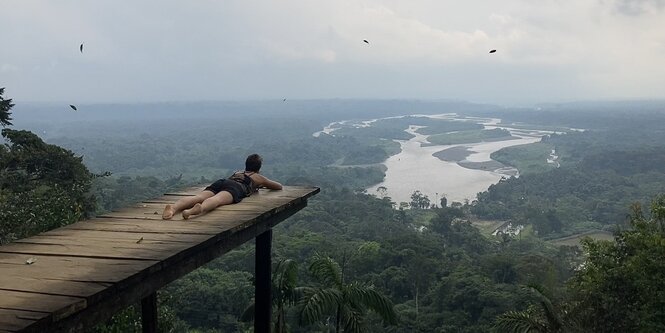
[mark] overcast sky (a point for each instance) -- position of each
(144, 51)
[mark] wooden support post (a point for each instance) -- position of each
(149, 313)
(263, 297)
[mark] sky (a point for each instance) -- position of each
(154, 51)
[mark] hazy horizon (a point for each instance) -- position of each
(162, 51)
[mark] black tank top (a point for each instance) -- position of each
(245, 180)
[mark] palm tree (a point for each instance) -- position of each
(348, 302)
(284, 292)
(544, 318)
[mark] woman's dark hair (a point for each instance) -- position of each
(253, 163)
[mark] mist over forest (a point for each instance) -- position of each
(583, 188)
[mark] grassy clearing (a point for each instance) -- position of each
(472, 136)
(574, 240)
(421, 216)
(529, 158)
(445, 126)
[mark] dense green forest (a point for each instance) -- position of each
(425, 268)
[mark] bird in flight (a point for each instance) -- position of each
(81, 48)
(365, 40)
(284, 100)
(492, 51)
(73, 107)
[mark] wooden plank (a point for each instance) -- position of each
(71, 268)
(106, 237)
(149, 215)
(14, 320)
(57, 306)
(93, 249)
(128, 225)
(45, 285)
(124, 236)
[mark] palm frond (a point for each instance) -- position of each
(373, 300)
(551, 314)
(286, 274)
(326, 270)
(248, 314)
(316, 302)
(284, 282)
(354, 318)
(519, 322)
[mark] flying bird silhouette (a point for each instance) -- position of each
(81, 47)
(492, 51)
(284, 100)
(365, 40)
(73, 107)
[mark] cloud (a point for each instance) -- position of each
(236, 49)
(638, 7)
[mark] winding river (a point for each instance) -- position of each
(415, 167)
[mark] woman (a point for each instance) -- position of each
(224, 191)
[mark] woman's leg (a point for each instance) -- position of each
(184, 203)
(220, 199)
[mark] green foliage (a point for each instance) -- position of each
(5, 108)
(128, 320)
(284, 293)
(469, 136)
(436, 126)
(444, 219)
(116, 192)
(419, 200)
(348, 302)
(42, 186)
(447, 277)
(212, 298)
(529, 158)
(546, 317)
(566, 200)
(621, 286)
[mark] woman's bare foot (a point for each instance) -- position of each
(196, 210)
(168, 212)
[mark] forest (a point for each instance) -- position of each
(374, 265)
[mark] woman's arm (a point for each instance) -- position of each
(267, 183)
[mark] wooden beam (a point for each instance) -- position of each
(149, 313)
(263, 297)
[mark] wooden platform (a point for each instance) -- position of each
(84, 272)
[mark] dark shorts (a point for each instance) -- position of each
(233, 187)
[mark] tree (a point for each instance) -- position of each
(5, 106)
(419, 200)
(42, 186)
(382, 191)
(348, 302)
(543, 318)
(212, 298)
(444, 219)
(621, 286)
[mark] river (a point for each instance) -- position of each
(415, 168)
